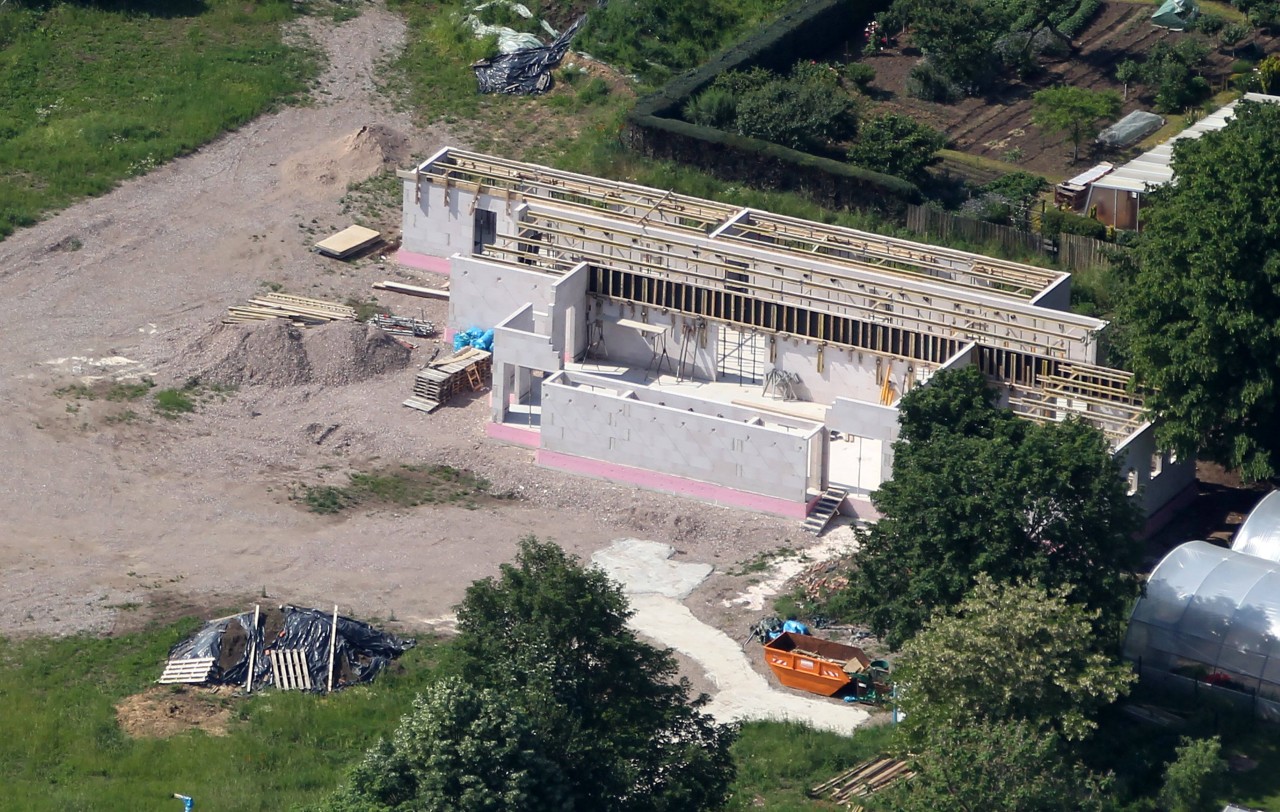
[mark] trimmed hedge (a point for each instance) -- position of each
(734, 157)
(806, 27)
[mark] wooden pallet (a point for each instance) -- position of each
(289, 667)
(445, 378)
(192, 671)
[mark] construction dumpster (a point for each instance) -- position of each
(811, 664)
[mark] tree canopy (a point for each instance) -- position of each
(996, 766)
(1075, 111)
(461, 749)
(550, 637)
(1202, 300)
(977, 490)
(1009, 652)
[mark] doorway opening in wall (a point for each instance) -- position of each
(485, 230)
(740, 356)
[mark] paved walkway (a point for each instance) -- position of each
(655, 586)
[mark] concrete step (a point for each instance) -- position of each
(824, 510)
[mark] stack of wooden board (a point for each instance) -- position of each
(411, 290)
(348, 241)
(863, 780)
(404, 326)
(298, 309)
(442, 379)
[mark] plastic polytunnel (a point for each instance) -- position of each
(1210, 622)
(1260, 533)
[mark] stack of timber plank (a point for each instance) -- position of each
(863, 780)
(300, 310)
(411, 290)
(442, 379)
(404, 326)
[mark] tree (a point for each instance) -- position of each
(896, 145)
(997, 766)
(1012, 652)
(1191, 779)
(1074, 111)
(1202, 296)
(1127, 71)
(976, 489)
(550, 637)
(1233, 33)
(461, 749)
(807, 109)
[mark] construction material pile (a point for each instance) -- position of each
(863, 780)
(403, 325)
(276, 353)
(441, 380)
(289, 647)
(299, 310)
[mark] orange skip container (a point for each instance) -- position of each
(811, 664)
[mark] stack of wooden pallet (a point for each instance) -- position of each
(300, 310)
(863, 780)
(442, 379)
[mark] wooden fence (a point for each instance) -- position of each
(1072, 252)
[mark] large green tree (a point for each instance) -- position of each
(1009, 652)
(1000, 766)
(461, 749)
(896, 145)
(976, 489)
(1201, 309)
(551, 637)
(1075, 111)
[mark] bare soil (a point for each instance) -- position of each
(117, 516)
(998, 126)
(167, 710)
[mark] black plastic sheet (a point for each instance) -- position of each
(360, 651)
(527, 71)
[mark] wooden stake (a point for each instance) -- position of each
(253, 649)
(333, 645)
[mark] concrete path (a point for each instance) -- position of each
(655, 585)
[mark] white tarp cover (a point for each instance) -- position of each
(1212, 615)
(1260, 533)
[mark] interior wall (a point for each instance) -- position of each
(625, 346)
(483, 293)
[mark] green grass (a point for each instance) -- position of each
(174, 402)
(62, 748)
(779, 762)
(407, 486)
(93, 95)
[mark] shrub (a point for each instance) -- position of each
(714, 107)
(807, 109)
(173, 402)
(1056, 221)
(896, 145)
(1210, 23)
(928, 83)
(1173, 71)
(860, 74)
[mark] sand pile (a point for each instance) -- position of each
(349, 159)
(275, 353)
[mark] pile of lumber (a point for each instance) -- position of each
(442, 379)
(300, 310)
(863, 780)
(411, 290)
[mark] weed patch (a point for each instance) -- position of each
(95, 93)
(174, 402)
(407, 486)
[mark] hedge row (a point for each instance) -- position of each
(761, 163)
(805, 28)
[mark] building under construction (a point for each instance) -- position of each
(735, 355)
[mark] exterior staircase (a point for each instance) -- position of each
(824, 510)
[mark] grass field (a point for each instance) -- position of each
(62, 748)
(97, 93)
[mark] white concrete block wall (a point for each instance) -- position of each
(603, 425)
(1155, 477)
(484, 293)
(845, 373)
(439, 227)
(517, 342)
(627, 347)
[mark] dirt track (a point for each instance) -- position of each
(102, 514)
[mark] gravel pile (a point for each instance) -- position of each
(276, 353)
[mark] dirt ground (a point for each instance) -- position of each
(167, 710)
(999, 126)
(115, 515)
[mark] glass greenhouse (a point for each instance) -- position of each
(1210, 623)
(1260, 533)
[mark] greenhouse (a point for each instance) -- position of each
(1209, 624)
(1260, 533)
